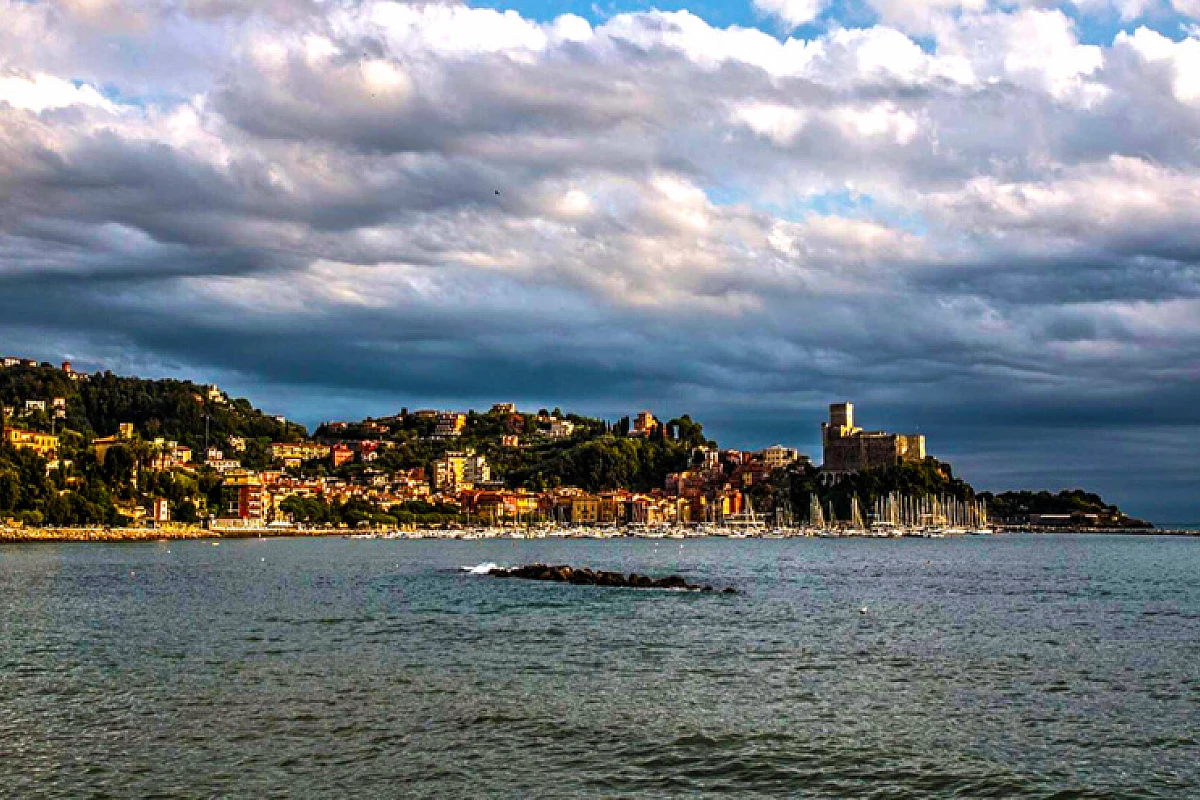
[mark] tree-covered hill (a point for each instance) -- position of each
(1017, 507)
(597, 455)
(172, 409)
(795, 487)
(84, 489)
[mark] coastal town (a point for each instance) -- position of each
(503, 471)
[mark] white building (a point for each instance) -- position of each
(777, 456)
(560, 428)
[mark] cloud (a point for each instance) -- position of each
(792, 13)
(42, 92)
(437, 201)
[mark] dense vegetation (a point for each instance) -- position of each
(317, 511)
(597, 456)
(1017, 506)
(171, 409)
(81, 489)
(793, 488)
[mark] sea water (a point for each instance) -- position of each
(1006, 666)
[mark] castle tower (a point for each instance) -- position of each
(841, 415)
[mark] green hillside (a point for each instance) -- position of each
(598, 455)
(168, 408)
(83, 490)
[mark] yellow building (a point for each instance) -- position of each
(777, 456)
(460, 470)
(585, 510)
(295, 453)
(644, 424)
(43, 444)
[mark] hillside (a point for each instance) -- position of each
(795, 487)
(597, 455)
(171, 409)
(1019, 507)
(85, 490)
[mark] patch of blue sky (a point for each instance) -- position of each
(718, 13)
(1096, 26)
(844, 203)
(1101, 26)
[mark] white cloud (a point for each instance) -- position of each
(41, 92)
(1035, 48)
(792, 12)
(1180, 59)
(777, 122)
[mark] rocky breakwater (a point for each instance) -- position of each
(98, 534)
(587, 577)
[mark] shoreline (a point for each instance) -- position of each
(111, 535)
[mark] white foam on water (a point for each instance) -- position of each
(481, 569)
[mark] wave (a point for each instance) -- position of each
(480, 569)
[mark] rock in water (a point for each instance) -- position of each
(586, 577)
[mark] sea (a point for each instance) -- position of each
(1015, 666)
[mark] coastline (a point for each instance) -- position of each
(63, 535)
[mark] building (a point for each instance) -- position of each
(223, 465)
(705, 457)
(43, 444)
(510, 440)
(341, 454)
(644, 424)
(498, 506)
(560, 428)
(584, 510)
(504, 408)
(293, 454)
(572, 506)
(847, 448)
(450, 424)
(35, 405)
(457, 471)
(777, 456)
(168, 455)
(160, 511)
(243, 500)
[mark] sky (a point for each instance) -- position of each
(977, 220)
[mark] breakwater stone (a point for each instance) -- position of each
(562, 573)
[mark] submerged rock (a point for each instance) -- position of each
(586, 577)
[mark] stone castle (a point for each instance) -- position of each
(850, 449)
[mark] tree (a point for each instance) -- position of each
(185, 512)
